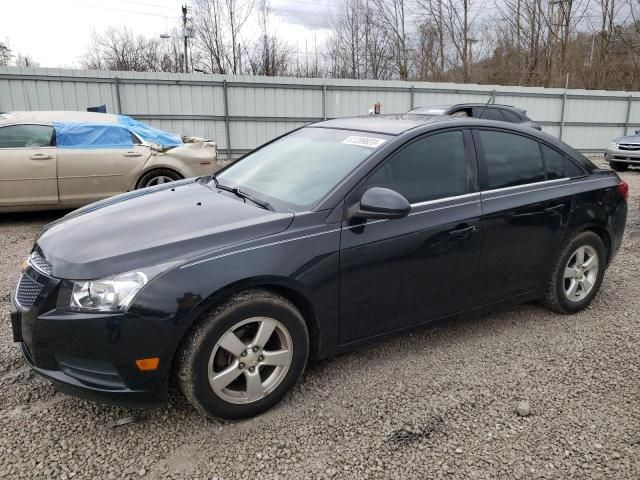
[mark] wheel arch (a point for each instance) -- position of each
(599, 230)
(285, 287)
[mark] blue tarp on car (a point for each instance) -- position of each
(92, 135)
(110, 135)
(149, 133)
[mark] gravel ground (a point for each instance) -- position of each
(440, 403)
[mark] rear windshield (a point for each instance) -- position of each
(298, 170)
(430, 110)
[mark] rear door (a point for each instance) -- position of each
(402, 272)
(27, 166)
(93, 173)
(525, 209)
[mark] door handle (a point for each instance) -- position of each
(554, 209)
(40, 156)
(527, 214)
(463, 233)
(132, 154)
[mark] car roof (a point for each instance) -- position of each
(471, 104)
(387, 124)
(48, 117)
(398, 124)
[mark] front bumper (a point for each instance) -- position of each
(93, 355)
(623, 156)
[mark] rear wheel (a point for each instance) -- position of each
(577, 274)
(619, 166)
(158, 177)
(244, 356)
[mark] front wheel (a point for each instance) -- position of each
(158, 177)
(619, 166)
(244, 356)
(577, 274)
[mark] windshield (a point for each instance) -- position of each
(299, 169)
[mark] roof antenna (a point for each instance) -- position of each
(484, 108)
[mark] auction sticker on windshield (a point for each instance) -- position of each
(364, 141)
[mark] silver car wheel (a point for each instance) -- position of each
(580, 273)
(250, 360)
(159, 180)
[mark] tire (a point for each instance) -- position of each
(202, 354)
(564, 275)
(620, 166)
(157, 177)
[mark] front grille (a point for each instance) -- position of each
(40, 263)
(629, 146)
(28, 291)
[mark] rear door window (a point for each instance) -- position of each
(554, 163)
(509, 116)
(510, 159)
(573, 170)
(490, 113)
(26, 136)
(427, 169)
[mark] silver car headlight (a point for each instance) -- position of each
(613, 146)
(109, 294)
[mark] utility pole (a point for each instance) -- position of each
(185, 35)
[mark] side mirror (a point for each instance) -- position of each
(383, 203)
(637, 132)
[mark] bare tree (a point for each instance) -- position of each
(270, 54)
(393, 16)
(218, 26)
(347, 44)
(23, 60)
(120, 49)
(561, 18)
(5, 55)
(601, 43)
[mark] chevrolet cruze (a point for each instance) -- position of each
(331, 236)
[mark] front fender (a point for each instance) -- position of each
(302, 261)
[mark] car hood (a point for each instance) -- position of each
(172, 222)
(628, 138)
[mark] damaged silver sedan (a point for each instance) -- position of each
(65, 160)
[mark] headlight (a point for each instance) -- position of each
(613, 146)
(109, 294)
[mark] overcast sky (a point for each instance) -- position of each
(55, 33)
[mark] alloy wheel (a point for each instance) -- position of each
(580, 273)
(159, 180)
(250, 360)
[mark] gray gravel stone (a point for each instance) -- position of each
(447, 387)
(524, 408)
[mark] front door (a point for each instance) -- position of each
(27, 166)
(399, 273)
(90, 174)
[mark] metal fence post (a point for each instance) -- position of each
(226, 118)
(564, 101)
(493, 96)
(411, 103)
(628, 117)
(324, 101)
(118, 102)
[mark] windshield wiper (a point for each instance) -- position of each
(244, 195)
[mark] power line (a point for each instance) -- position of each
(133, 12)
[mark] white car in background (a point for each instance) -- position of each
(65, 160)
